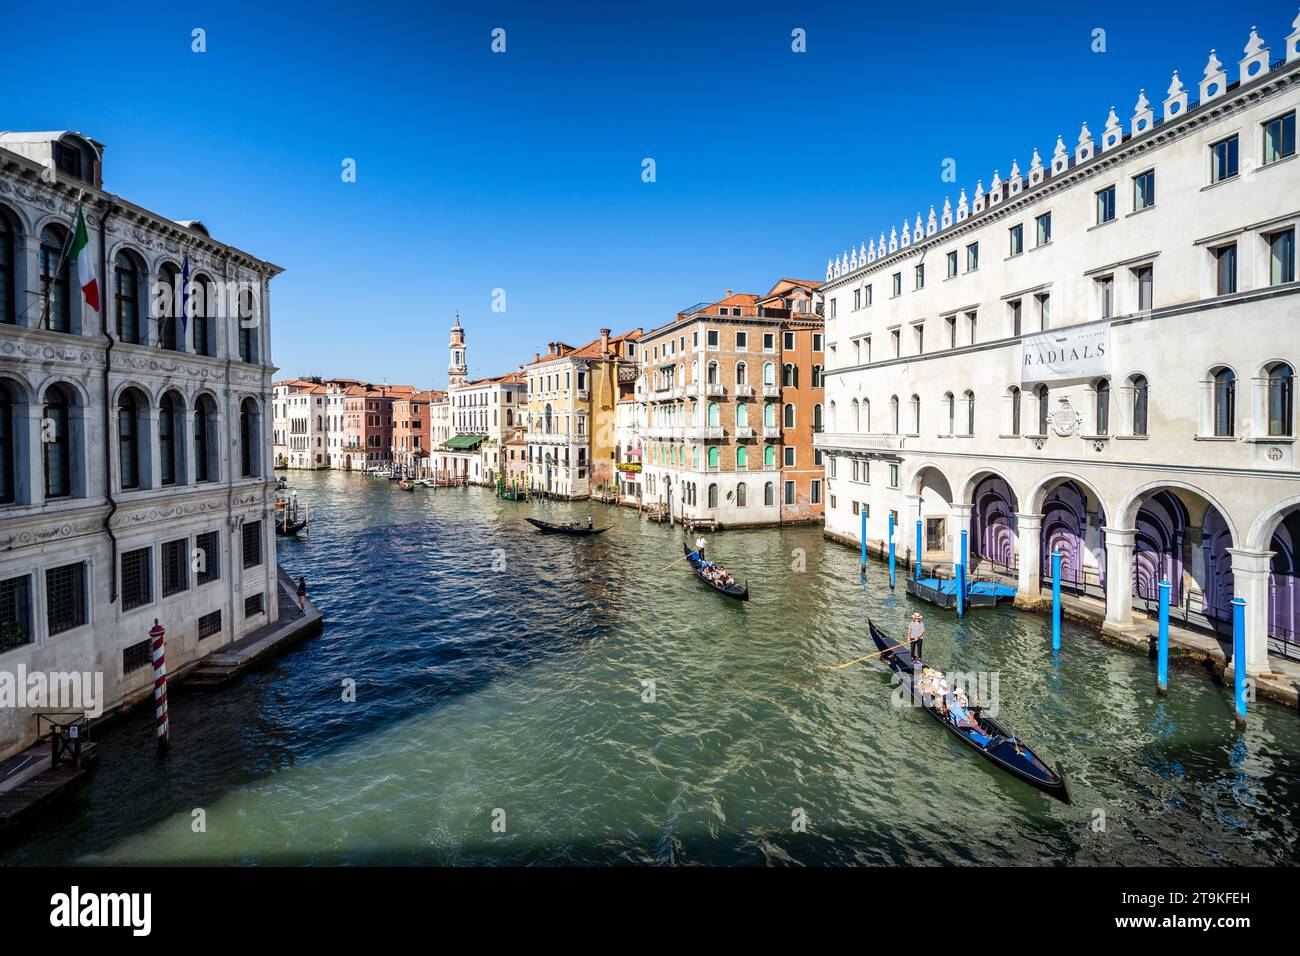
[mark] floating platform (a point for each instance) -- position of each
(943, 592)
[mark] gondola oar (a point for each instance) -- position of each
(667, 566)
(840, 667)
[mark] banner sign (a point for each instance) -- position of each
(1069, 353)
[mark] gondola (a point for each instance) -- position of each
(545, 527)
(734, 591)
(290, 528)
(993, 740)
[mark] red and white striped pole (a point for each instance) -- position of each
(160, 685)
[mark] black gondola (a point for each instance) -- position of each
(290, 528)
(992, 739)
(732, 591)
(545, 527)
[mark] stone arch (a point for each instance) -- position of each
(137, 385)
(995, 529)
(1127, 511)
(1073, 515)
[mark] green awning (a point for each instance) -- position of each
(464, 442)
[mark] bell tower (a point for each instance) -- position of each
(458, 367)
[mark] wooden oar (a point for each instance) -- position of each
(840, 667)
(667, 566)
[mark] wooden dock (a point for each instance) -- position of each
(32, 786)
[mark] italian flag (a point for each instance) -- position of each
(85, 264)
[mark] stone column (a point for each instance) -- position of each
(959, 521)
(911, 515)
(1119, 577)
(29, 480)
(1029, 548)
(1250, 572)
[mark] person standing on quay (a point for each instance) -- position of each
(302, 593)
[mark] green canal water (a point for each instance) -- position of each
(500, 677)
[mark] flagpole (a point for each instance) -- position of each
(58, 268)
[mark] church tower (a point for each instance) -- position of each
(459, 366)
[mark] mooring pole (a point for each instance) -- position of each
(917, 573)
(961, 589)
(891, 551)
(1056, 600)
(864, 538)
(1239, 658)
(160, 685)
(1162, 640)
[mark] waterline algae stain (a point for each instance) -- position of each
(501, 716)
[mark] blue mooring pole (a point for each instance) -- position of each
(917, 575)
(891, 551)
(1162, 640)
(1056, 601)
(1239, 658)
(961, 589)
(864, 537)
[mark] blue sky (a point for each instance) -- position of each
(522, 170)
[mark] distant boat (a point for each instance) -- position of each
(546, 527)
(406, 485)
(730, 590)
(988, 738)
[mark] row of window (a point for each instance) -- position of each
(740, 497)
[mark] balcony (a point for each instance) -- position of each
(705, 432)
(850, 442)
(666, 394)
(771, 391)
(693, 390)
(557, 438)
(744, 391)
(583, 395)
(714, 389)
(744, 431)
(771, 431)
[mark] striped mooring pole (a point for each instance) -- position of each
(160, 685)
(1162, 640)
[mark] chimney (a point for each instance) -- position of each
(604, 341)
(537, 356)
(728, 295)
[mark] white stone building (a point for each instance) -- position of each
(1094, 355)
(134, 459)
(300, 424)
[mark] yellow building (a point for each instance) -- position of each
(573, 394)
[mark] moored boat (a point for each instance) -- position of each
(546, 527)
(406, 485)
(979, 731)
(734, 591)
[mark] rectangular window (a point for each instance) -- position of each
(788, 454)
(252, 542)
(1044, 301)
(972, 320)
(1279, 138)
(972, 257)
(15, 612)
(896, 338)
(832, 466)
(65, 597)
(893, 476)
(210, 624)
(857, 298)
(253, 605)
(1044, 228)
(952, 263)
(1105, 205)
(898, 283)
(1144, 277)
(137, 656)
(712, 343)
(1013, 313)
(175, 567)
(1017, 239)
(789, 493)
(1281, 257)
(137, 578)
(1223, 160)
(787, 340)
(920, 275)
(1106, 290)
(855, 508)
(815, 491)
(950, 327)
(868, 295)
(1144, 190)
(1225, 269)
(918, 332)
(769, 341)
(817, 342)
(742, 341)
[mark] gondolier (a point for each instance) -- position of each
(916, 634)
(700, 544)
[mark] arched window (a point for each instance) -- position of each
(790, 375)
(510, 417)
(864, 417)
(893, 414)
(713, 456)
(546, 419)
(249, 326)
(769, 414)
(249, 439)
(57, 413)
(969, 397)
(1015, 410)
(711, 373)
(1281, 400)
(1040, 393)
(789, 416)
(164, 307)
(857, 415)
(8, 448)
(202, 311)
(742, 495)
(769, 456)
(170, 439)
(769, 493)
(742, 458)
(206, 466)
(130, 447)
(769, 373)
(742, 415)
(816, 376)
(715, 415)
(1225, 402)
(8, 267)
(950, 411)
(713, 494)
(695, 458)
(1140, 390)
(1101, 412)
(742, 373)
(55, 285)
(817, 418)
(916, 414)
(126, 298)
